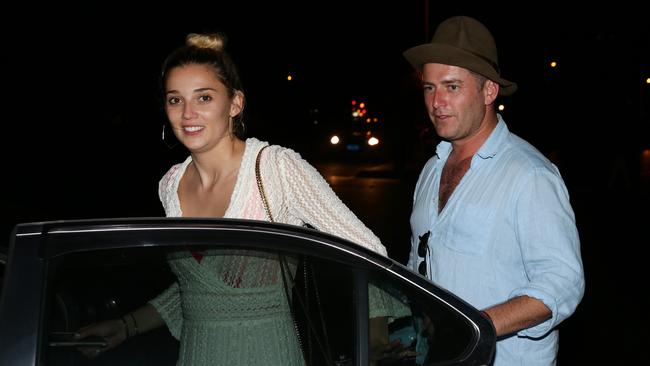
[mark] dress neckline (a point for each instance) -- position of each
(243, 166)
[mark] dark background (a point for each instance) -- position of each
(83, 118)
(82, 115)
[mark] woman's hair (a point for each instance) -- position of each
(208, 49)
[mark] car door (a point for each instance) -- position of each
(64, 275)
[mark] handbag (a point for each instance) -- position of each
(284, 267)
(285, 271)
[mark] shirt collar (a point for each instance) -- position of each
(489, 148)
(443, 150)
(495, 141)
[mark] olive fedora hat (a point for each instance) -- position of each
(464, 42)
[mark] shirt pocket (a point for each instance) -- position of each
(470, 229)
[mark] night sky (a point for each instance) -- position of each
(83, 125)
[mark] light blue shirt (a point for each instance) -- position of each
(507, 230)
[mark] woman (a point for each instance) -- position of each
(204, 103)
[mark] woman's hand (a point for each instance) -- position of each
(114, 331)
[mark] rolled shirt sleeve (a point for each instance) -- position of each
(551, 257)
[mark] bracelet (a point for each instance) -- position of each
(126, 328)
(135, 325)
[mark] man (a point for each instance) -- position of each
(491, 219)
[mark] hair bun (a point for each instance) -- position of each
(213, 41)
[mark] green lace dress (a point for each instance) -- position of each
(230, 308)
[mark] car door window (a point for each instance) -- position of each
(324, 293)
(86, 287)
(421, 323)
(91, 286)
(324, 308)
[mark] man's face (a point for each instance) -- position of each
(455, 101)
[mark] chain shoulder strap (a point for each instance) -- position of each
(284, 267)
(260, 185)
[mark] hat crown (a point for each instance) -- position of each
(464, 42)
(469, 35)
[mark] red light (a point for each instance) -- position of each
(354, 102)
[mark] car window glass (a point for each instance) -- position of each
(87, 287)
(422, 324)
(104, 284)
(324, 308)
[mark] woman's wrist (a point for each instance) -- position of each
(130, 325)
(127, 333)
(136, 331)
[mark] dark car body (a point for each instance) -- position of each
(62, 275)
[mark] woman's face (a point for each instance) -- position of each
(199, 108)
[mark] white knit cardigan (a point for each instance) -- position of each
(296, 192)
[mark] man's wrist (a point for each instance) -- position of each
(485, 314)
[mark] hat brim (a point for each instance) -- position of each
(450, 55)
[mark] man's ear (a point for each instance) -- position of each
(490, 91)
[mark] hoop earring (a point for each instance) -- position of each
(165, 141)
(237, 126)
(233, 128)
